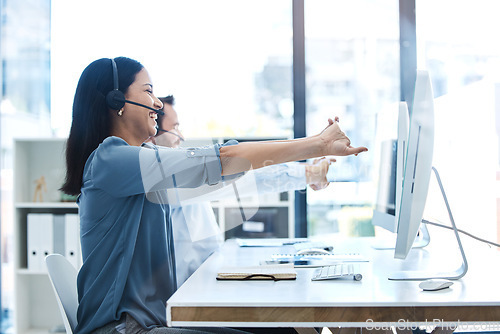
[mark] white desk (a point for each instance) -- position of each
(204, 301)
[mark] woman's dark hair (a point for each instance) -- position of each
(91, 118)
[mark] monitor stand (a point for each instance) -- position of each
(423, 275)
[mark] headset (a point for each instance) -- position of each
(115, 99)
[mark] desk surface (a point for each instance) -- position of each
(204, 301)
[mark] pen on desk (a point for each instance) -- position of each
(291, 243)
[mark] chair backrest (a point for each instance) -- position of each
(63, 276)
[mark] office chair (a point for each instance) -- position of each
(63, 275)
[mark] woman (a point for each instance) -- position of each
(128, 270)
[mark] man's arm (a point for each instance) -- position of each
(270, 179)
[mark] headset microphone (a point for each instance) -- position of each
(115, 99)
(171, 132)
(158, 111)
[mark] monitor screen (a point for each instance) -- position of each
(391, 169)
(417, 167)
(386, 195)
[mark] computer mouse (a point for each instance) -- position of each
(435, 284)
(312, 251)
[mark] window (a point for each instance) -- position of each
(352, 71)
(229, 64)
(463, 60)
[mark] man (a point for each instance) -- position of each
(196, 232)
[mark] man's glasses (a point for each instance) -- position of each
(171, 132)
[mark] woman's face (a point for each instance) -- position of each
(141, 122)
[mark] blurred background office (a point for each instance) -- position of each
(272, 69)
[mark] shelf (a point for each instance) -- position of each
(39, 331)
(55, 329)
(25, 271)
(46, 205)
(36, 309)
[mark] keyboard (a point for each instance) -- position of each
(336, 271)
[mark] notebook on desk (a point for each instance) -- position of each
(263, 272)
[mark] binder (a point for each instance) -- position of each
(72, 238)
(52, 233)
(34, 242)
(46, 237)
(40, 239)
(59, 234)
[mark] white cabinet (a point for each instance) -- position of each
(36, 309)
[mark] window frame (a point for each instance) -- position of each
(408, 67)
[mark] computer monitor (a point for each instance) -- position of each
(418, 166)
(417, 174)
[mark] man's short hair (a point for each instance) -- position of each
(169, 99)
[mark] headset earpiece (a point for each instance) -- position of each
(115, 99)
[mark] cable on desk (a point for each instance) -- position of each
(461, 231)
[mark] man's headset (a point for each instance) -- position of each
(116, 99)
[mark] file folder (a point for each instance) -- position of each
(33, 242)
(72, 237)
(59, 229)
(39, 240)
(46, 236)
(52, 233)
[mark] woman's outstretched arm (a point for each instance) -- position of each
(253, 155)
